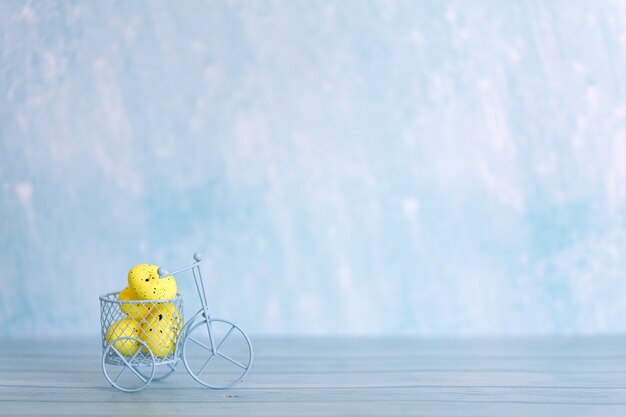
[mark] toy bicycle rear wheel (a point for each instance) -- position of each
(217, 353)
(129, 378)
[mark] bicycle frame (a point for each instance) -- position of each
(199, 282)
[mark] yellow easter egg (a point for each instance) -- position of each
(167, 312)
(124, 328)
(144, 281)
(136, 311)
(159, 331)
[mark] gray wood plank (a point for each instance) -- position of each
(346, 409)
(575, 376)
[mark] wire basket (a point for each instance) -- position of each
(142, 332)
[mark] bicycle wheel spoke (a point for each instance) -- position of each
(224, 339)
(200, 344)
(229, 359)
(129, 365)
(132, 358)
(120, 355)
(205, 364)
(120, 374)
(136, 372)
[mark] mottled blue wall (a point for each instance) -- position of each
(423, 167)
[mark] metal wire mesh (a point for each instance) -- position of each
(155, 323)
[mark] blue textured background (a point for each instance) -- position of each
(423, 167)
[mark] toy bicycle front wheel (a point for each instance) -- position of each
(130, 378)
(216, 353)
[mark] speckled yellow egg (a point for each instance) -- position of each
(144, 281)
(135, 311)
(159, 331)
(124, 328)
(167, 312)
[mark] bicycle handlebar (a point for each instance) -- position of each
(196, 257)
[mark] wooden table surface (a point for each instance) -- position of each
(569, 377)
